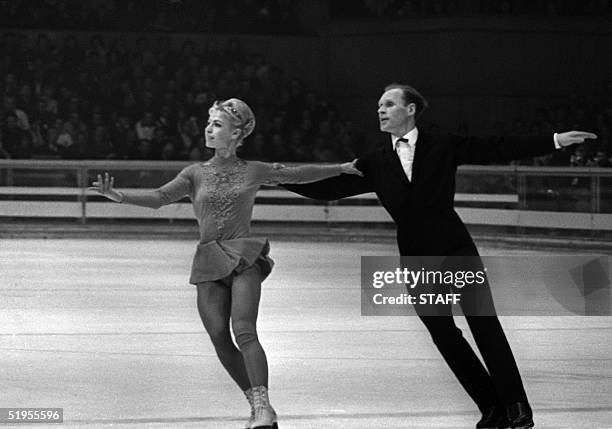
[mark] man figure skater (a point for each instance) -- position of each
(413, 175)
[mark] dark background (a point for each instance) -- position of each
(108, 79)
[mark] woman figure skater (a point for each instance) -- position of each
(229, 265)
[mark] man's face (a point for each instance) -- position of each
(393, 114)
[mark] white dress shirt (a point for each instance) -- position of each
(405, 150)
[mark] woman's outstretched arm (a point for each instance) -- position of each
(172, 191)
(273, 174)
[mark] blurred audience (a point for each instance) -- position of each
(103, 99)
(195, 16)
(349, 9)
(578, 113)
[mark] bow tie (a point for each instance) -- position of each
(400, 141)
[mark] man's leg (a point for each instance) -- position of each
(499, 360)
(461, 359)
(478, 306)
(448, 338)
(479, 309)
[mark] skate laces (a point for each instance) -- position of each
(249, 396)
(260, 397)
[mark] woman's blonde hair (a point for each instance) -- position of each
(240, 114)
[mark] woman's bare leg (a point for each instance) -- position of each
(214, 306)
(246, 292)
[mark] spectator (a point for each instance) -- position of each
(11, 134)
(600, 160)
(24, 147)
(80, 147)
(168, 152)
(579, 159)
(145, 127)
(3, 153)
(188, 138)
(165, 122)
(50, 146)
(66, 136)
(67, 146)
(100, 146)
(195, 154)
(26, 101)
(158, 143)
(42, 115)
(49, 97)
(10, 107)
(119, 135)
(9, 86)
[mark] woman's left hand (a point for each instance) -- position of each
(350, 168)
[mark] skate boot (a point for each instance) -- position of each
(264, 415)
(249, 396)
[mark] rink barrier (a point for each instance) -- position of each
(504, 207)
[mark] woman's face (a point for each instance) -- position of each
(220, 133)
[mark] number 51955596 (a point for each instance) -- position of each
(31, 415)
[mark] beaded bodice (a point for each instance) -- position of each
(222, 188)
(223, 200)
(223, 193)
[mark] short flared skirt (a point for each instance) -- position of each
(219, 259)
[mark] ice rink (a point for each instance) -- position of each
(108, 330)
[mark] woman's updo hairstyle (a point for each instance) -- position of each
(240, 114)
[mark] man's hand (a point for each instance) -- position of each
(572, 137)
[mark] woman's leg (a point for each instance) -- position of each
(214, 306)
(246, 292)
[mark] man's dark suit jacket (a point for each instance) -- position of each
(422, 209)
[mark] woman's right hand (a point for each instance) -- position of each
(351, 168)
(104, 186)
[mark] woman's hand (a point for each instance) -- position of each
(105, 187)
(350, 168)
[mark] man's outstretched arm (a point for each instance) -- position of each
(333, 188)
(490, 150)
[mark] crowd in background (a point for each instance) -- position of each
(340, 9)
(257, 16)
(576, 113)
(199, 16)
(151, 101)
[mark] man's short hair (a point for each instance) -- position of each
(410, 95)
